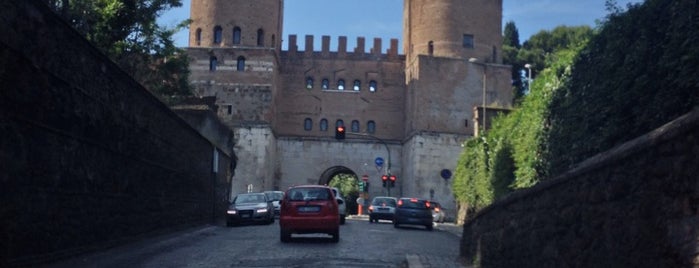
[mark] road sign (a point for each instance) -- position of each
(365, 177)
(379, 162)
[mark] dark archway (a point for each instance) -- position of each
(351, 198)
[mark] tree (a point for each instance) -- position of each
(510, 50)
(127, 32)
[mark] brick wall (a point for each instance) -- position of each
(634, 206)
(88, 157)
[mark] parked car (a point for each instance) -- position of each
(382, 208)
(341, 202)
(275, 196)
(250, 207)
(438, 214)
(309, 209)
(413, 211)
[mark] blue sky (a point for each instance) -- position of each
(383, 18)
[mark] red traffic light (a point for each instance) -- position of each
(393, 178)
(384, 177)
(340, 133)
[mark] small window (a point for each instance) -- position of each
(260, 37)
(197, 37)
(339, 123)
(355, 126)
(307, 124)
(324, 124)
(230, 109)
(468, 40)
(309, 82)
(213, 62)
(341, 84)
(325, 84)
(430, 48)
(371, 127)
(357, 85)
(218, 34)
(240, 66)
(236, 35)
(372, 86)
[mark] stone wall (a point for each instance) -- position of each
(634, 206)
(88, 157)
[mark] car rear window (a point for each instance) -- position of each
(384, 201)
(413, 203)
(305, 194)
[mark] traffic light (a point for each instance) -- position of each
(393, 180)
(340, 133)
(384, 178)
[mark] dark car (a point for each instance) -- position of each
(382, 208)
(309, 209)
(413, 211)
(250, 207)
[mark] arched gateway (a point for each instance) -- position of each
(329, 173)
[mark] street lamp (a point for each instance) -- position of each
(529, 78)
(485, 78)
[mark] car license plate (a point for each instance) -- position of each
(309, 209)
(245, 215)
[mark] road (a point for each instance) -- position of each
(362, 244)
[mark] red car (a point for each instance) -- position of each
(309, 209)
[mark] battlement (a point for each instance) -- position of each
(359, 50)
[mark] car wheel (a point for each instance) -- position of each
(429, 227)
(284, 236)
(371, 219)
(271, 220)
(336, 236)
(229, 224)
(395, 224)
(342, 219)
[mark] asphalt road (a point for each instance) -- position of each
(362, 244)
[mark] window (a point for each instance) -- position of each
(197, 37)
(340, 84)
(218, 34)
(241, 64)
(325, 84)
(323, 124)
(355, 126)
(430, 48)
(372, 86)
(230, 109)
(357, 85)
(371, 126)
(468, 40)
(236, 35)
(309, 82)
(213, 62)
(260, 37)
(339, 122)
(307, 124)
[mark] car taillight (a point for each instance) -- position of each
(371, 208)
(400, 202)
(427, 204)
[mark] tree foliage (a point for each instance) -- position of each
(127, 32)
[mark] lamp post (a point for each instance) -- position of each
(529, 77)
(485, 78)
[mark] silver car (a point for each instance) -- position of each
(382, 208)
(275, 196)
(250, 207)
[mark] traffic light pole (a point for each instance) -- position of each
(388, 166)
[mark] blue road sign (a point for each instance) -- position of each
(379, 162)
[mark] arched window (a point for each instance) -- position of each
(341, 84)
(236, 35)
(430, 48)
(260, 37)
(357, 85)
(240, 67)
(355, 126)
(307, 124)
(323, 124)
(372, 86)
(371, 126)
(197, 37)
(218, 34)
(309, 82)
(339, 122)
(213, 62)
(325, 84)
